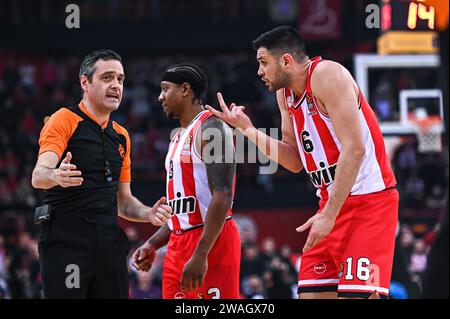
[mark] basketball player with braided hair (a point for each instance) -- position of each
(203, 252)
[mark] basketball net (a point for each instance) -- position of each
(428, 134)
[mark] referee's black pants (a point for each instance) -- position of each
(83, 256)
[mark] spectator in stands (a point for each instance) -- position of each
(278, 280)
(383, 101)
(251, 263)
(4, 293)
(400, 272)
(406, 240)
(133, 236)
(418, 259)
(289, 259)
(145, 287)
(24, 281)
(268, 250)
(253, 288)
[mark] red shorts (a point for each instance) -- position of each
(222, 277)
(357, 255)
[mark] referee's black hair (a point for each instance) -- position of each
(280, 40)
(88, 65)
(195, 76)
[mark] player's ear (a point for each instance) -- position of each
(185, 89)
(84, 81)
(286, 60)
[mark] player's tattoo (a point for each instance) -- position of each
(221, 163)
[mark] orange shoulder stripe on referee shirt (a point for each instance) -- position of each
(57, 131)
(125, 172)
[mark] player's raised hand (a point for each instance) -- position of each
(143, 257)
(160, 213)
(66, 174)
(321, 225)
(233, 115)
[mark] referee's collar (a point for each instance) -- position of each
(84, 109)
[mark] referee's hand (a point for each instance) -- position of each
(66, 174)
(160, 213)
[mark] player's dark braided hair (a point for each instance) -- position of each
(190, 73)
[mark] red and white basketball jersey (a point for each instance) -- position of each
(319, 147)
(187, 188)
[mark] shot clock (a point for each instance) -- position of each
(407, 27)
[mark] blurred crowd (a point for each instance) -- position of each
(410, 261)
(422, 178)
(386, 84)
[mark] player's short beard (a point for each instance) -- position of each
(281, 81)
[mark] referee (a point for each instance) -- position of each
(84, 165)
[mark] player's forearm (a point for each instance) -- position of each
(215, 219)
(43, 177)
(347, 169)
(133, 210)
(161, 237)
(278, 151)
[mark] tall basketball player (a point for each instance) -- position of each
(203, 253)
(330, 130)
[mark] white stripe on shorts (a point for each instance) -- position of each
(363, 288)
(317, 282)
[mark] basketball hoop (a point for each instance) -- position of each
(428, 131)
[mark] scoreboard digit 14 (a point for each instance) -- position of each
(407, 27)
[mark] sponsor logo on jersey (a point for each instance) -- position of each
(200, 295)
(320, 268)
(310, 103)
(187, 143)
(323, 176)
(182, 205)
(186, 150)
